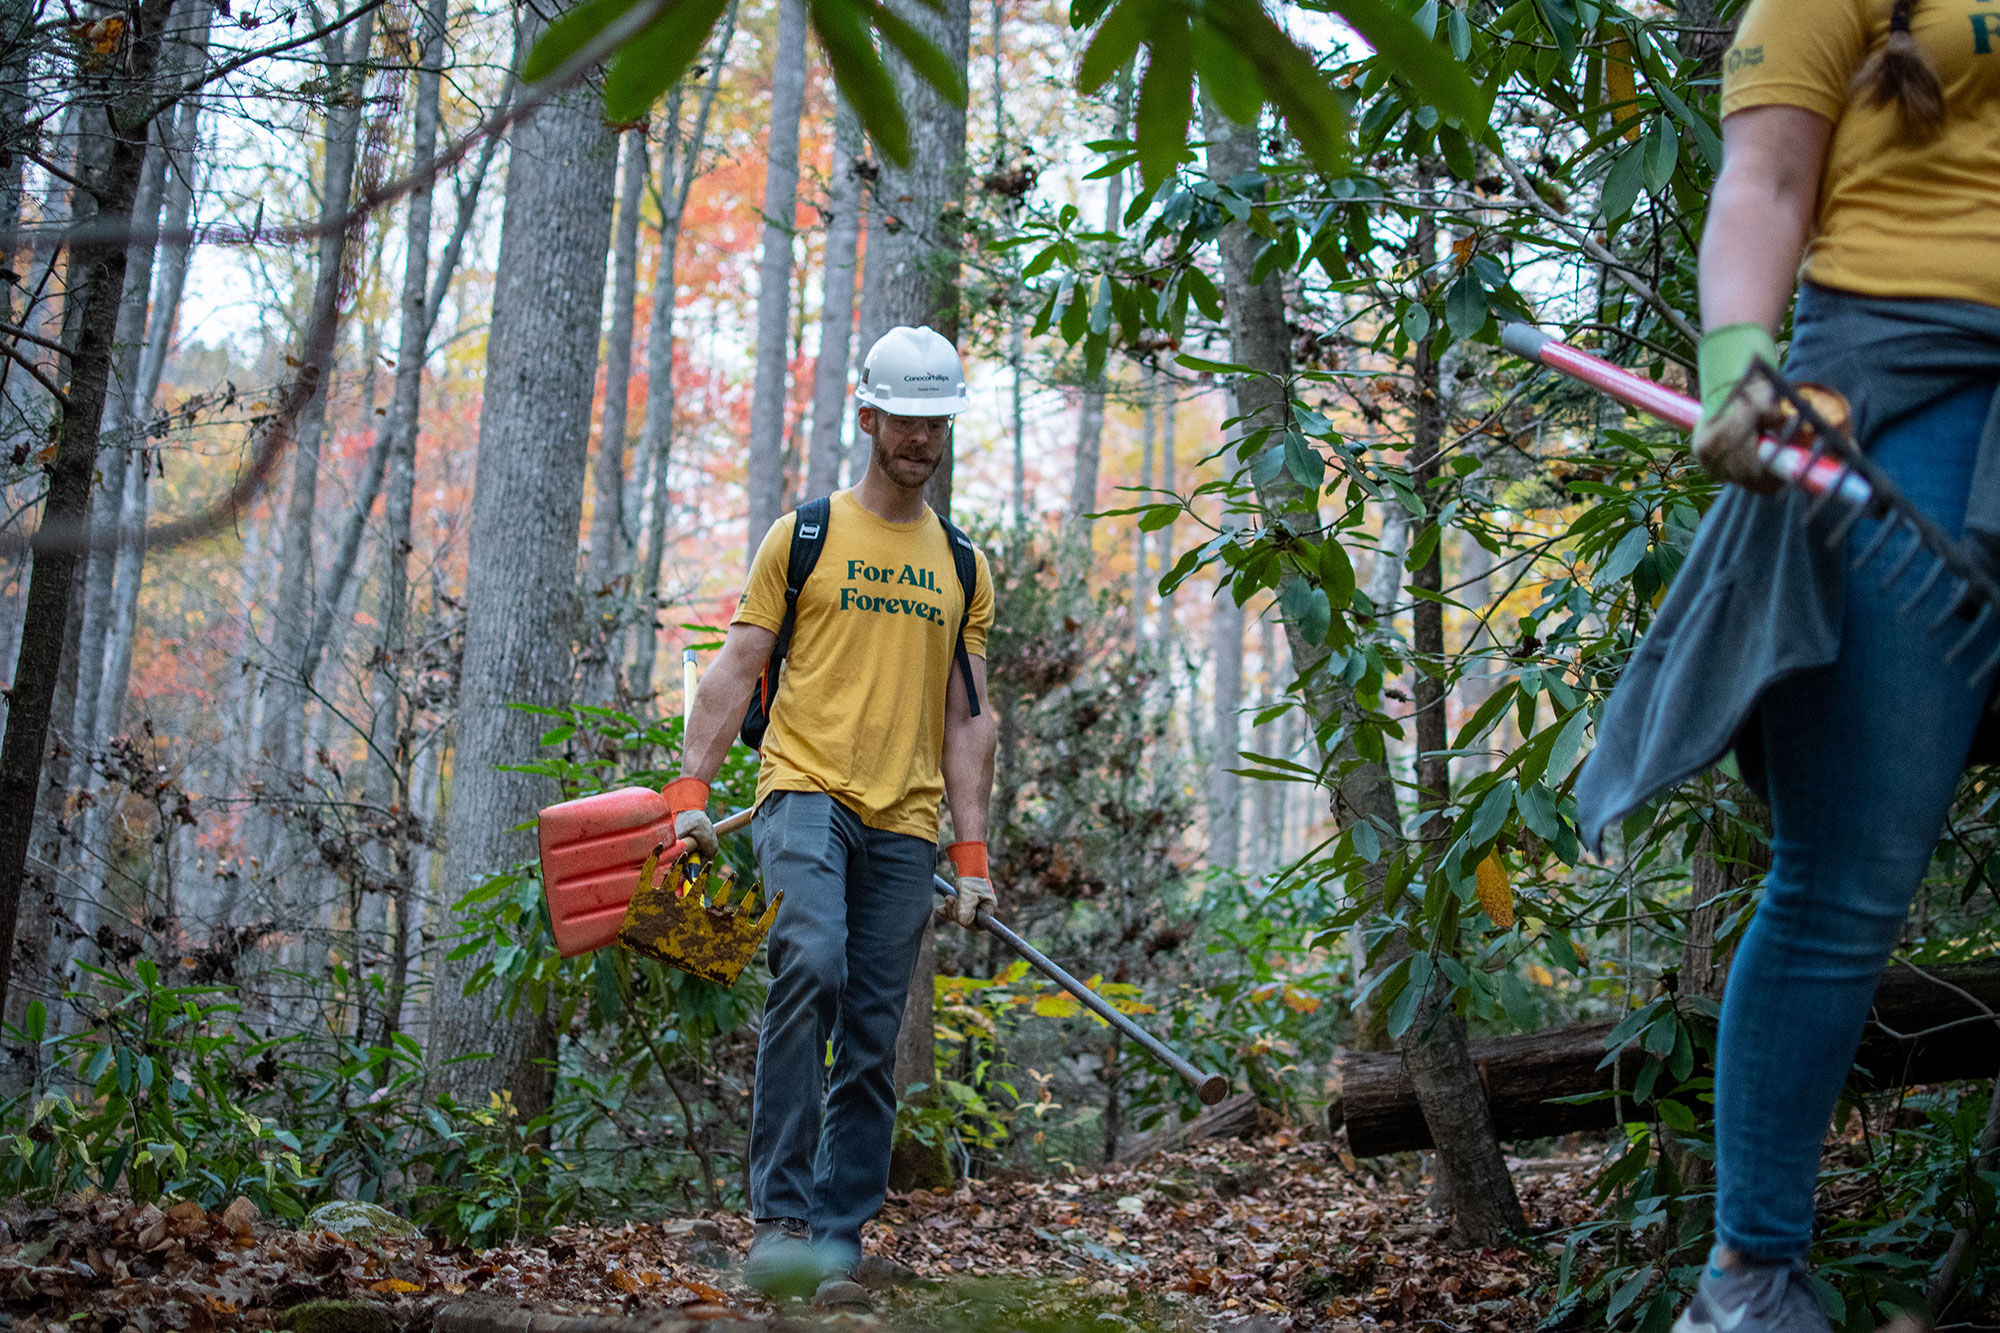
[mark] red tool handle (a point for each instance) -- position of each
(1789, 461)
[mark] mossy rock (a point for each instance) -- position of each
(340, 1317)
(364, 1223)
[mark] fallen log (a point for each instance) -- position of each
(1238, 1117)
(1924, 1029)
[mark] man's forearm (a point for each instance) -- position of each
(967, 764)
(718, 705)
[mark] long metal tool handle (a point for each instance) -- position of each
(1793, 463)
(1211, 1088)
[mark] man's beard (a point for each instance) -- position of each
(885, 457)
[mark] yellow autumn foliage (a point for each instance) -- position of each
(1496, 895)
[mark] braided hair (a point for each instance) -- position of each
(1900, 72)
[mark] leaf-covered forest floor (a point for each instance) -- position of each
(1269, 1235)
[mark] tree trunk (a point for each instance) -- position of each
(608, 555)
(920, 286)
(1265, 835)
(920, 249)
(97, 278)
(1524, 1075)
(1433, 1047)
(656, 437)
(281, 738)
(1142, 578)
(115, 444)
(170, 281)
(836, 316)
(390, 725)
(1090, 422)
(527, 509)
(1225, 789)
(874, 284)
(765, 476)
(1168, 401)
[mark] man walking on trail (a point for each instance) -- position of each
(877, 714)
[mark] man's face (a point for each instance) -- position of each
(907, 449)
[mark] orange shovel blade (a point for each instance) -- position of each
(592, 850)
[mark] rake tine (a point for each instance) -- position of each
(1876, 543)
(1909, 557)
(1847, 521)
(1971, 633)
(1826, 497)
(1923, 589)
(1984, 670)
(1952, 604)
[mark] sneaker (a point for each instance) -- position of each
(1754, 1298)
(839, 1293)
(782, 1260)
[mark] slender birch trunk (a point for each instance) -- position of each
(1225, 789)
(1090, 422)
(114, 449)
(836, 315)
(170, 280)
(281, 738)
(873, 322)
(1141, 576)
(610, 559)
(765, 476)
(680, 163)
(1169, 400)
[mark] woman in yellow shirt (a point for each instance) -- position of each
(1863, 135)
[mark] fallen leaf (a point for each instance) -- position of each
(240, 1217)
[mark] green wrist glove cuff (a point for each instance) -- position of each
(1725, 356)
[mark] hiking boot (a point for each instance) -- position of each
(782, 1261)
(839, 1293)
(1754, 1298)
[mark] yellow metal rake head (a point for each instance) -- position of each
(682, 915)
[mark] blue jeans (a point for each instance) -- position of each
(1862, 759)
(842, 950)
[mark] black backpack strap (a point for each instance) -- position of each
(808, 540)
(965, 559)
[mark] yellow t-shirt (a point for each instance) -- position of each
(1894, 220)
(860, 707)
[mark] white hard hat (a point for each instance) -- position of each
(913, 373)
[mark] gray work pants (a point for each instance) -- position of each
(842, 950)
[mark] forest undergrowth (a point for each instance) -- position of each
(1280, 1231)
(1286, 1231)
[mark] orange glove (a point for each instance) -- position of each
(975, 889)
(687, 800)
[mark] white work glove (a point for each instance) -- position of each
(973, 894)
(1726, 444)
(688, 799)
(975, 890)
(695, 828)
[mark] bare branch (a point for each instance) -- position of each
(20, 358)
(1591, 246)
